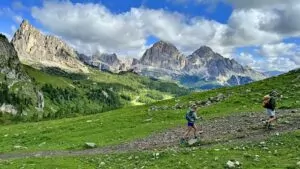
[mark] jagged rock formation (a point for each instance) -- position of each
(36, 49)
(10, 66)
(163, 55)
(213, 66)
(16, 90)
(40, 101)
(202, 69)
(107, 62)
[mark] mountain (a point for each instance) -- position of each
(38, 50)
(17, 93)
(204, 62)
(203, 69)
(106, 62)
(161, 61)
(30, 94)
(163, 55)
(11, 68)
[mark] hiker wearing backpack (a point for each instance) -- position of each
(191, 117)
(269, 102)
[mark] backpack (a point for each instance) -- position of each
(189, 116)
(269, 103)
(272, 103)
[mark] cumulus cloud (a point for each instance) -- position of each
(92, 27)
(266, 64)
(92, 24)
(95, 25)
(282, 51)
(277, 50)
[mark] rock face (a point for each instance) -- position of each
(215, 67)
(107, 62)
(163, 55)
(36, 49)
(203, 69)
(16, 89)
(9, 62)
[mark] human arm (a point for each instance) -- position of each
(196, 117)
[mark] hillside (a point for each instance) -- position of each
(39, 50)
(143, 125)
(70, 94)
(136, 122)
(17, 94)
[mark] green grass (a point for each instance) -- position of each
(72, 95)
(45, 78)
(278, 152)
(128, 123)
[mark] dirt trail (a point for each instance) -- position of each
(243, 127)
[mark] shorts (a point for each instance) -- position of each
(191, 124)
(271, 113)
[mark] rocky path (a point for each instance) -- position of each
(245, 127)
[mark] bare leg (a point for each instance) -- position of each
(189, 129)
(195, 130)
(271, 119)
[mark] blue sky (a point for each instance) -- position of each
(260, 34)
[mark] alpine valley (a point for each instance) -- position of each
(44, 78)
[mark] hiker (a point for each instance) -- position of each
(269, 103)
(191, 117)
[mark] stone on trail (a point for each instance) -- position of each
(192, 141)
(90, 145)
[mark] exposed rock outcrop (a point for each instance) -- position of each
(163, 55)
(17, 90)
(213, 66)
(203, 69)
(36, 49)
(10, 66)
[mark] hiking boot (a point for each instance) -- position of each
(267, 124)
(271, 127)
(182, 140)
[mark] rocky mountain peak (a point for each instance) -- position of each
(10, 65)
(204, 51)
(34, 48)
(163, 55)
(164, 46)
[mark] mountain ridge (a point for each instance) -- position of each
(40, 50)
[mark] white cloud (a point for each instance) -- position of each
(285, 52)
(266, 64)
(245, 59)
(277, 50)
(92, 27)
(126, 31)
(92, 24)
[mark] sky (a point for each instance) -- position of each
(264, 35)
